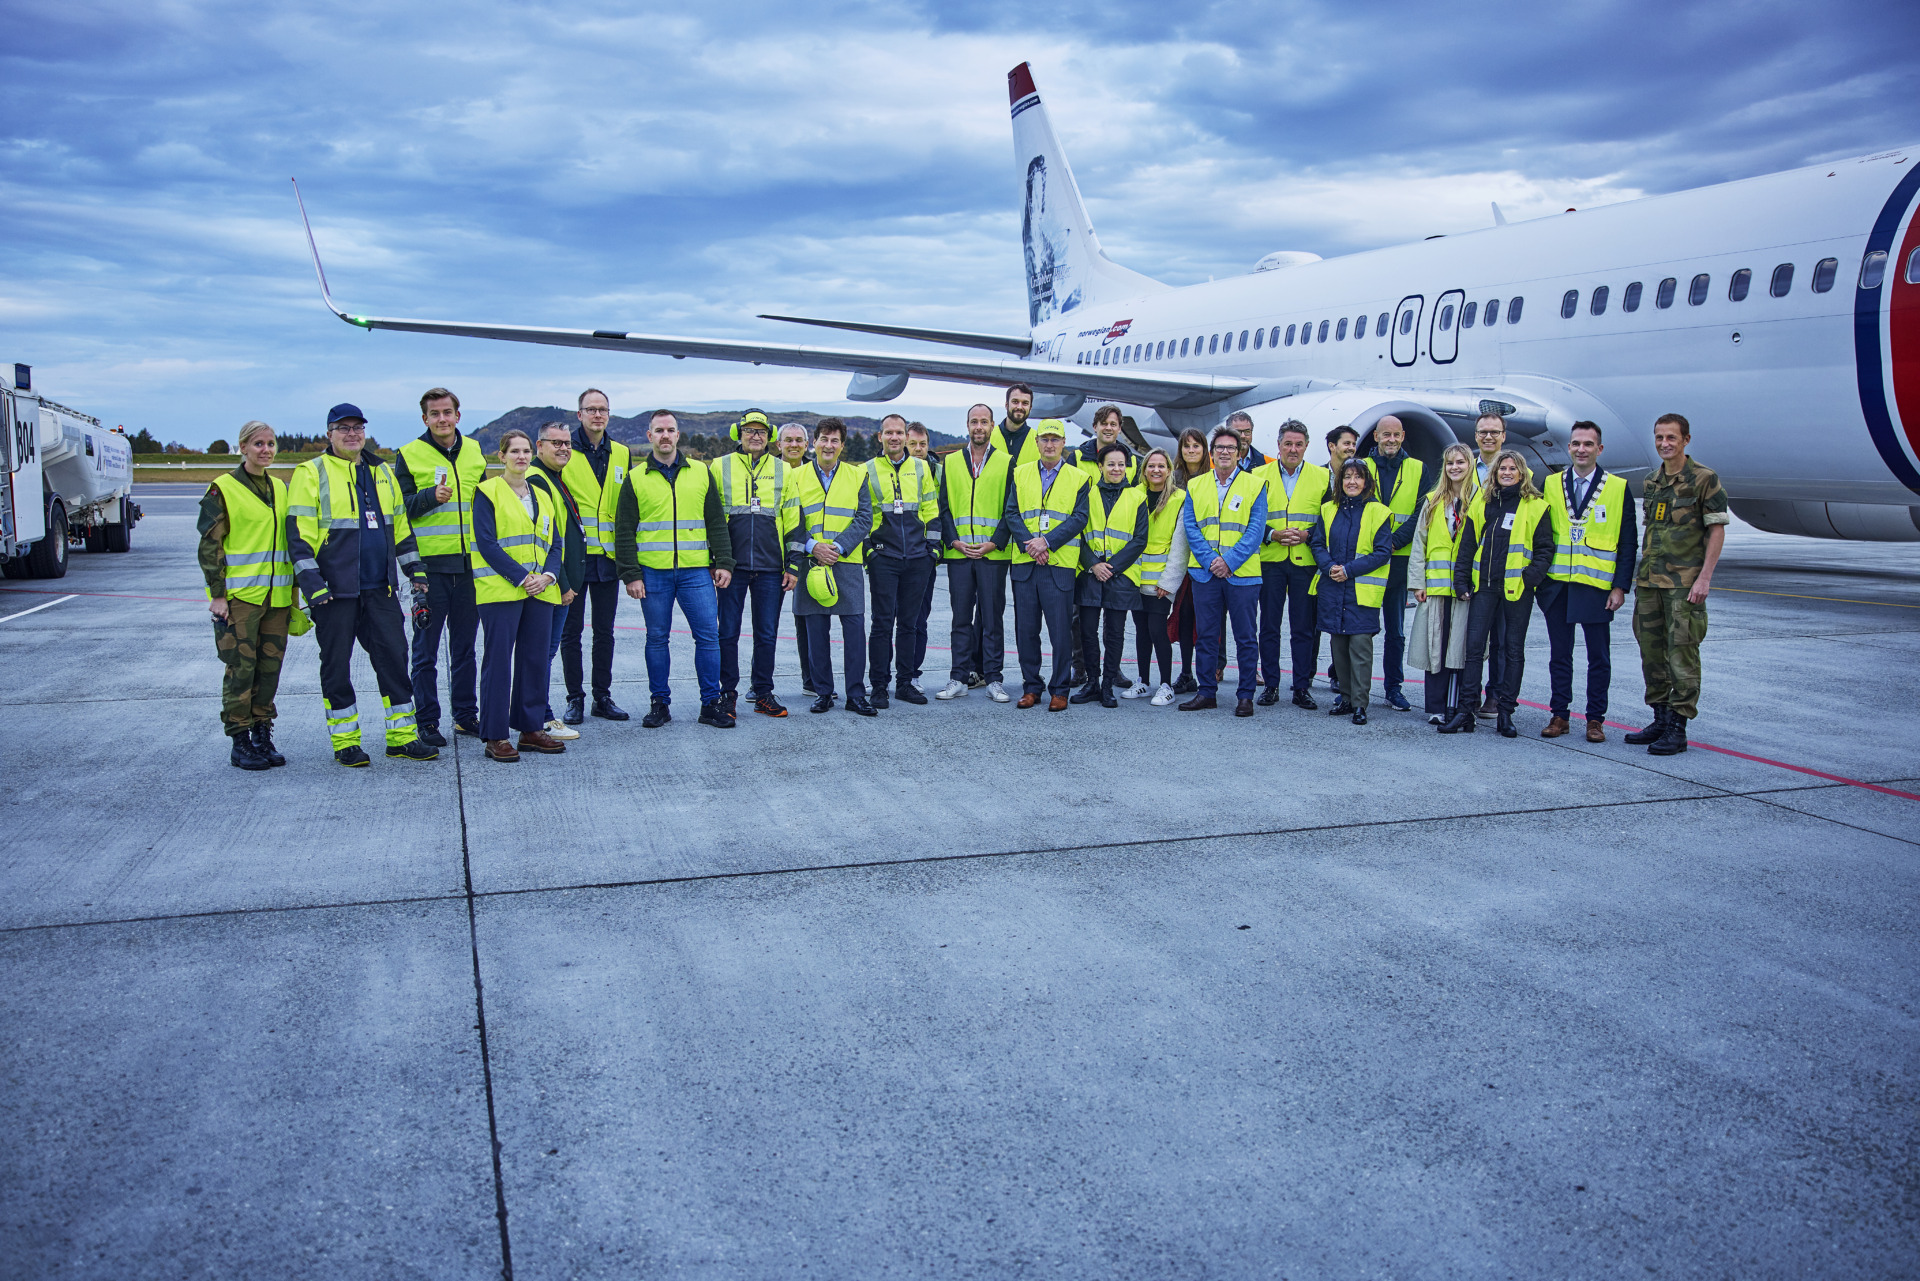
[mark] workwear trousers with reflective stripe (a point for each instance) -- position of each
(1491, 617)
(1599, 638)
(251, 642)
(1102, 655)
(604, 596)
(700, 606)
(898, 585)
(763, 587)
(1215, 601)
(450, 608)
(514, 671)
(1284, 595)
(373, 619)
(977, 593)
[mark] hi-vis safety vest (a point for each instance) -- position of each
(1092, 468)
(323, 498)
(597, 502)
(259, 568)
(1160, 527)
(1368, 589)
(1519, 540)
(671, 529)
(1297, 510)
(1406, 493)
(446, 530)
(1223, 528)
(520, 536)
(824, 512)
(1440, 548)
(1108, 531)
(910, 487)
(1029, 448)
(750, 487)
(1584, 550)
(976, 504)
(1043, 509)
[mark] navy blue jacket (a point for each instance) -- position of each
(1341, 613)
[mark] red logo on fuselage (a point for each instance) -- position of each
(1118, 332)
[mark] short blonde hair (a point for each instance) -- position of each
(253, 428)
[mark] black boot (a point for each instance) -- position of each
(245, 755)
(263, 743)
(576, 709)
(1462, 721)
(1504, 723)
(1651, 732)
(657, 715)
(1106, 697)
(1674, 740)
(1087, 693)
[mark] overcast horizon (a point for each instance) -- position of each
(645, 168)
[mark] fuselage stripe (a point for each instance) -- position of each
(1870, 363)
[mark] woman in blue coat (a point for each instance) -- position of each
(1352, 543)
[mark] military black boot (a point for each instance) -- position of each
(263, 743)
(1673, 741)
(245, 755)
(1651, 732)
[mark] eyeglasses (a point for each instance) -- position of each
(596, 413)
(563, 445)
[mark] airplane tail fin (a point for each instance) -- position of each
(1066, 268)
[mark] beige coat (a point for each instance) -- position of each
(1432, 617)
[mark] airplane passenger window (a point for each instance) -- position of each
(1913, 268)
(1823, 273)
(1406, 321)
(1243, 340)
(1183, 346)
(1323, 331)
(1446, 318)
(1697, 291)
(1213, 345)
(1630, 301)
(1599, 304)
(1513, 310)
(1289, 335)
(1569, 303)
(1663, 296)
(1380, 330)
(1359, 328)
(1467, 315)
(1160, 351)
(1782, 282)
(1873, 268)
(1259, 338)
(1493, 312)
(1738, 286)
(1273, 338)
(1340, 330)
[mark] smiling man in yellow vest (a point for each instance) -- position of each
(906, 519)
(1595, 539)
(973, 516)
(438, 472)
(1225, 521)
(1046, 511)
(594, 475)
(1295, 490)
(1401, 482)
(752, 483)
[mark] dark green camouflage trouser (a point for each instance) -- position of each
(1670, 628)
(251, 643)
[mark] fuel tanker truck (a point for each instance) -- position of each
(64, 479)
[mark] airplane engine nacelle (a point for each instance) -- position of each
(1853, 521)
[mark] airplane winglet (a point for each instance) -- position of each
(326, 294)
(1499, 219)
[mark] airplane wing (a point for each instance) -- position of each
(878, 375)
(1012, 344)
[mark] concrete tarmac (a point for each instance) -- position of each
(964, 990)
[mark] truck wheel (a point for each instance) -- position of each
(119, 538)
(48, 559)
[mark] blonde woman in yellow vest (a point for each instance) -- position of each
(518, 542)
(1595, 538)
(1110, 571)
(1437, 639)
(1504, 553)
(1351, 544)
(1162, 568)
(249, 573)
(1226, 521)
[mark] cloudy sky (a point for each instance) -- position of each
(677, 169)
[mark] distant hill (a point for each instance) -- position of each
(704, 435)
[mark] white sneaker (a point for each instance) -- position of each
(1137, 690)
(1165, 696)
(560, 729)
(915, 682)
(954, 689)
(1436, 720)
(998, 692)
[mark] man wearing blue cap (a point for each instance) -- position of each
(347, 529)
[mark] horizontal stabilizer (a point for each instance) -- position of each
(1011, 344)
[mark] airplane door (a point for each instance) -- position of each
(1443, 343)
(1406, 329)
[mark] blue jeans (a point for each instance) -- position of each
(560, 613)
(1237, 599)
(763, 585)
(693, 588)
(1283, 593)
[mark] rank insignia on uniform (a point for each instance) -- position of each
(1660, 511)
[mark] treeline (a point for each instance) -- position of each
(703, 435)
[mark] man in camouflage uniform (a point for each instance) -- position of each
(1685, 510)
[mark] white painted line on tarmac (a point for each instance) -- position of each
(7, 618)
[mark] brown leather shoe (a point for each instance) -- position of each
(538, 740)
(1059, 703)
(1596, 731)
(1027, 700)
(1555, 727)
(499, 749)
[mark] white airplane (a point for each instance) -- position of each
(1780, 314)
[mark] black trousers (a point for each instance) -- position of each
(373, 619)
(604, 596)
(977, 590)
(1283, 594)
(1108, 653)
(1443, 687)
(1043, 594)
(920, 624)
(1560, 657)
(1150, 636)
(450, 608)
(853, 635)
(1393, 625)
(1486, 612)
(897, 587)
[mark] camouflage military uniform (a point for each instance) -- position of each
(253, 640)
(1678, 512)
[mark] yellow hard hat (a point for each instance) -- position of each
(823, 585)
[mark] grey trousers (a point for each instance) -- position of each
(1353, 664)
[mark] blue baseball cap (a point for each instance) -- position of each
(341, 411)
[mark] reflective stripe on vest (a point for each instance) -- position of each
(526, 542)
(743, 481)
(1591, 560)
(671, 532)
(1406, 492)
(1369, 589)
(826, 513)
(1160, 527)
(1224, 528)
(1439, 550)
(1109, 531)
(259, 568)
(445, 530)
(1519, 541)
(1043, 508)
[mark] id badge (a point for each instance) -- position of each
(373, 519)
(1046, 523)
(439, 475)
(1506, 522)
(899, 508)
(1233, 504)
(754, 506)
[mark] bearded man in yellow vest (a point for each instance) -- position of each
(1401, 482)
(438, 472)
(1046, 512)
(1295, 490)
(249, 573)
(973, 526)
(1595, 539)
(1503, 555)
(1014, 436)
(670, 542)
(594, 475)
(1226, 521)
